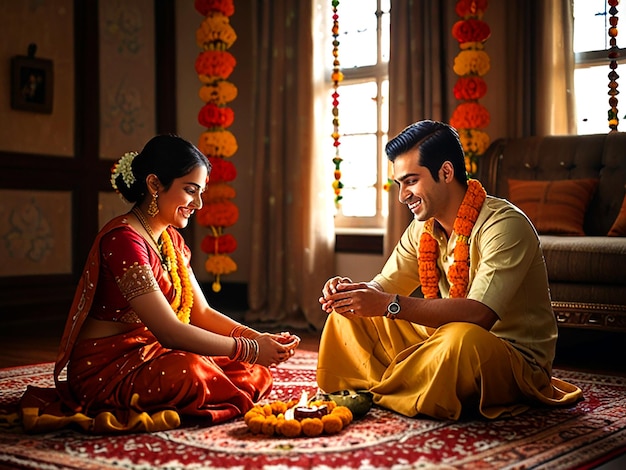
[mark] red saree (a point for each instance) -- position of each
(129, 382)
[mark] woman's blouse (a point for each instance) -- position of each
(130, 267)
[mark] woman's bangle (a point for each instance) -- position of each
(240, 330)
(246, 350)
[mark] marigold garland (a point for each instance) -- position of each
(270, 420)
(471, 64)
(336, 77)
(613, 55)
(183, 292)
(214, 66)
(458, 274)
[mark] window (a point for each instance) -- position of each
(591, 42)
(363, 111)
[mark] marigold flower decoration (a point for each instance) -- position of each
(458, 274)
(336, 77)
(214, 66)
(613, 55)
(471, 64)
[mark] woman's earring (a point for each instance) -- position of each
(153, 208)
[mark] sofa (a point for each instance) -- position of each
(573, 189)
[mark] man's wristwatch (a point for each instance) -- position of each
(393, 308)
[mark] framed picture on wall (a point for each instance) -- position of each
(32, 83)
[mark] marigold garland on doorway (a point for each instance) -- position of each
(214, 66)
(613, 55)
(470, 118)
(336, 78)
(458, 274)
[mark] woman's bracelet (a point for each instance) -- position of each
(246, 350)
(240, 330)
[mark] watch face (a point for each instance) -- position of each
(393, 308)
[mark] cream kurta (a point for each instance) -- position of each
(412, 369)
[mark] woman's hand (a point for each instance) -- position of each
(276, 348)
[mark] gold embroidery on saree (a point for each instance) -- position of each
(137, 280)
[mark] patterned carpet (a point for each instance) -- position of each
(578, 437)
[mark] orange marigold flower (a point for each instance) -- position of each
(217, 245)
(218, 144)
(222, 170)
(219, 92)
(212, 116)
(332, 424)
(218, 191)
(220, 264)
(218, 214)
(290, 428)
(312, 426)
(255, 424)
(215, 32)
(469, 88)
(470, 116)
(212, 65)
(471, 30)
(466, 8)
(204, 7)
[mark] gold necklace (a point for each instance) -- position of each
(165, 261)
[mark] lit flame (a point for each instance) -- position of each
(304, 398)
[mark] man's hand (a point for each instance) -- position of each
(349, 298)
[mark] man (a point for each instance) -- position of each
(483, 337)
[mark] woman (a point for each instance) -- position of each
(141, 344)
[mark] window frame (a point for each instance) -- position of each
(377, 73)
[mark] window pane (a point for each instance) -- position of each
(590, 25)
(359, 167)
(359, 202)
(592, 99)
(357, 108)
(357, 41)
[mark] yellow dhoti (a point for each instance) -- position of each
(410, 369)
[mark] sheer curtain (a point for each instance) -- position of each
(540, 58)
(530, 84)
(422, 50)
(292, 235)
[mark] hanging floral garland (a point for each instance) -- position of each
(471, 64)
(336, 77)
(613, 56)
(213, 66)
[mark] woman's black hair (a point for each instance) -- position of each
(166, 156)
(437, 142)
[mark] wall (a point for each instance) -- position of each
(24, 131)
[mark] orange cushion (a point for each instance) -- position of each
(619, 226)
(556, 207)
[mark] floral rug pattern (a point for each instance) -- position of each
(554, 438)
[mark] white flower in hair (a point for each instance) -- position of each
(124, 167)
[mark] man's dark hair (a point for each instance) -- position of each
(436, 141)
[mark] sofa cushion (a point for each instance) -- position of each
(593, 260)
(619, 226)
(554, 207)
